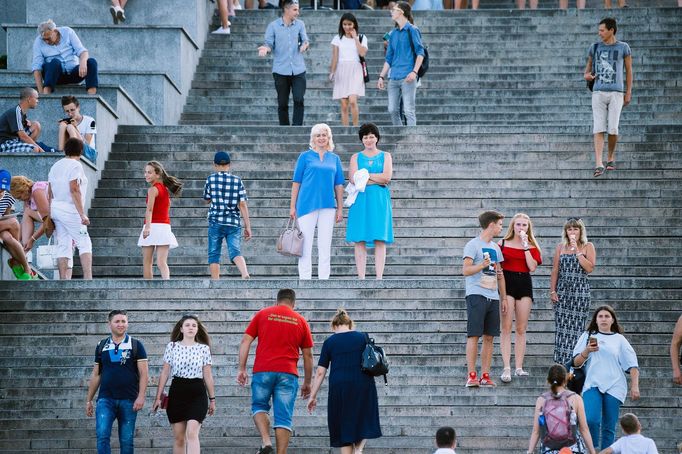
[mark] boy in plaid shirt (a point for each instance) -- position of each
(227, 197)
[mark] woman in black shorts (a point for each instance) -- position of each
(188, 360)
(522, 255)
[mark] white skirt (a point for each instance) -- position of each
(348, 80)
(159, 235)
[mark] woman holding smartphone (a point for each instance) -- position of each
(606, 356)
(574, 259)
(522, 255)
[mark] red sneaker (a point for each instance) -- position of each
(472, 382)
(486, 381)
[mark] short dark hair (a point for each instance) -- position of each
(610, 24)
(488, 217)
(629, 423)
(287, 3)
(73, 147)
(116, 312)
(68, 99)
(445, 436)
(286, 294)
(367, 129)
(26, 93)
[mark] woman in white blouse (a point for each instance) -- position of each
(346, 71)
(188, 360)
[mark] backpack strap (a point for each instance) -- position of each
(98, 353)
(135, 347)
(595, 46)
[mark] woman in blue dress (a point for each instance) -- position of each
(370, 218)
(352, 405)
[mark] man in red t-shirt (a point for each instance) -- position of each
(281, 332)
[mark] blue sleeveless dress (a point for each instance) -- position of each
(370, 218)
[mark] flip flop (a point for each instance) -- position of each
(611, 165)
(599, 171)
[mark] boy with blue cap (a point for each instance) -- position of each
(227, 198)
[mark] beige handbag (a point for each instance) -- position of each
(290, 241)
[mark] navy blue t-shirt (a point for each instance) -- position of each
(120, 378)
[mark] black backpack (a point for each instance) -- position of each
(374, 360)
(100, 347)
(425, 63)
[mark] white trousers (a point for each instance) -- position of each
(324, 220)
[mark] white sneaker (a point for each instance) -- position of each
(221, 31)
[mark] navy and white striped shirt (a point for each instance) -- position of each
(225, 191)
(6, 203)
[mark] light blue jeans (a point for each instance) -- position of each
(407, 91)
(108, 410)
(601, 411)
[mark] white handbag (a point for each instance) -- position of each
(46, 256)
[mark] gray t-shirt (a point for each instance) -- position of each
(609, 64)
(484, 282)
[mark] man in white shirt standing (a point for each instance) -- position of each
(79, 126)
(632, 441)
(446, 440)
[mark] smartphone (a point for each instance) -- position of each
(593, 340)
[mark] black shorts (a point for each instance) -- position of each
(519, 285)
(483, 316)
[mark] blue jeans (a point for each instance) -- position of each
(282, 387)
(108, 410)
(601, 410)
(54, 73)
(397, 90)
(216, 233)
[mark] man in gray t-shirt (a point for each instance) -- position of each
(609, 65)
(485, 295)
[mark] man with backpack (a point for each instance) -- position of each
(121, 374)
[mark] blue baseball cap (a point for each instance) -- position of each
(5, 179)
(221, 158)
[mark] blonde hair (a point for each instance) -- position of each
(531, 236)
(173, 184)
(316, 129)
(341, 318)
(575, 222)
(20, 187)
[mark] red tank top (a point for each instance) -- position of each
(161, 211)
(515, 259)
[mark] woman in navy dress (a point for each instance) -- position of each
(352, 406)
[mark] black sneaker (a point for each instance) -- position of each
(265, 450)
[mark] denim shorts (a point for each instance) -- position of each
(282, 387)
(216, 233)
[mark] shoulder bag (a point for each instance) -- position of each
(590, 83)
(290, 241)
(363, 63)
(576, 375)
(46, 256)
(374, 360)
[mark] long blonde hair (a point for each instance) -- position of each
(531, 236)
(173, 184)
(575, 222)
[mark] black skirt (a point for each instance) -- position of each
(187, 399)
(518, 284)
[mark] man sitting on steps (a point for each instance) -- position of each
(17, 133)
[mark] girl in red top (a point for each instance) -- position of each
(522, 255)
(156, 233)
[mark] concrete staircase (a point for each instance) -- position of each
(502, 125)
(47, 344)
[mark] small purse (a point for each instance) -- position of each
(46, 256)
(290, 241)
(576, 376)
(164, 400)
(590, 83)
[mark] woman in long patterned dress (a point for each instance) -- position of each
(370, 218)
(569, 287)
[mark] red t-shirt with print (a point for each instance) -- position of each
(281, 333)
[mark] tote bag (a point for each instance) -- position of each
(290, 241)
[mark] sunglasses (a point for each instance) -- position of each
(573, 219)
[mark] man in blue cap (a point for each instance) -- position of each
(10, 230)
(227, 198)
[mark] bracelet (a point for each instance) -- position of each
(584, 357)
(211, 398)
(526, 250)
(33, 238)
(580, 254)
(381, 77)
(552, 292)
(414, 72)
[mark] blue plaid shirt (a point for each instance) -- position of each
(225, 191)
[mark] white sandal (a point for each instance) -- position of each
(506, 375)
(521, 373)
